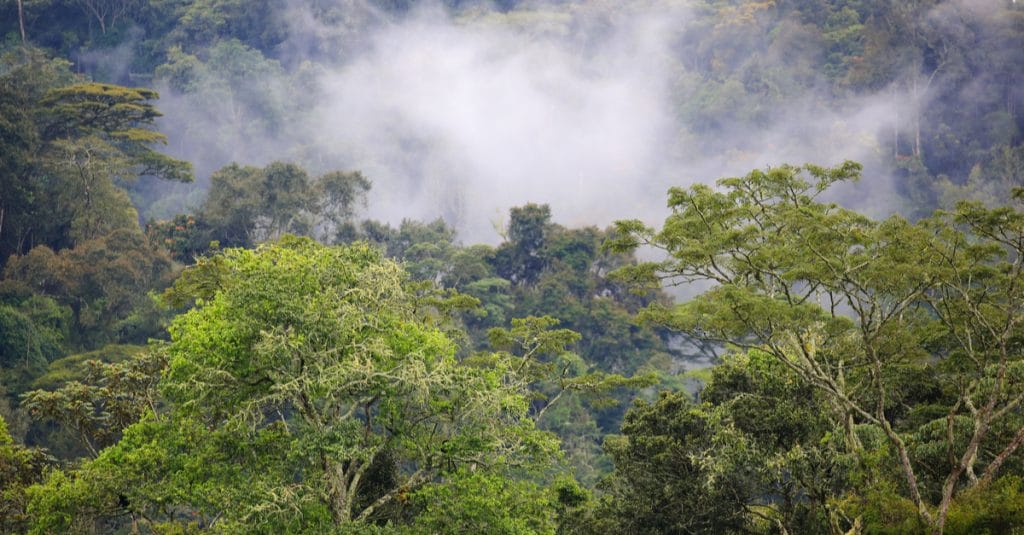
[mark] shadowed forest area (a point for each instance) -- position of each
(385, 266)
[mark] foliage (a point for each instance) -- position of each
(754, 455)
(20, 467)
(248, 205)
(103, 281)
(661, 484)
(299, 373)
(108, 398)
(471, 502)
(861, 311)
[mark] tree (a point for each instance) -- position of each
(521, 259)
(107, 12)
(20, 467)
(104, 281)
(661, 483)
(537, 360)
(247, 205)
(120, 116)
(755, 453)
(71, 146)
(109, 398)
(307, 388)
(855, 307)
(25, 76)
(473, 502)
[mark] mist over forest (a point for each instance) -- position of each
(562, 266)
(464, 113)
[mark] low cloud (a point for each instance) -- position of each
(463, 116)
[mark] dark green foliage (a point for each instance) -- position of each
(998, 508)
(183, 237)
(659, 484)
(103, 281)
(97, 399)
(25, 349)
(753, 456)
(247, 205)
(521, 259)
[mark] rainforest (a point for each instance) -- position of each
(512, 266)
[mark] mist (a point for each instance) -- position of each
(463, 115)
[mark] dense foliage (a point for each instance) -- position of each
(247, 352)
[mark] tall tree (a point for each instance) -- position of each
(318, 392)
(854, 306)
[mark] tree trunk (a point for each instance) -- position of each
(895, 129)
(21, 19)
(997, 463)
(917, 118)
(340, 502)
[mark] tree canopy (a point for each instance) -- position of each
(907, 330)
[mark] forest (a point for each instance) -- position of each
(512, 267)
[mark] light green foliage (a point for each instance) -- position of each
(469, 502)
(538, 358)
(988, 511)
(864, 311)
(332, 333)
(20, 467)
(76, 367)
(308, 388)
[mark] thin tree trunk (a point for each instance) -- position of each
(21, 20)
(993, 467)
(895, 129)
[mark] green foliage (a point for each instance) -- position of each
(998, 508)
(661, 484)
(521, 258)
(118, 119)
(247, 205)
(472, 502)
(307, 388)
(754, 456)
(182, 236)
(101, 400)
(20, 467)
(22, 344)
(903, 328)
(104, 281)
(76, 367)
